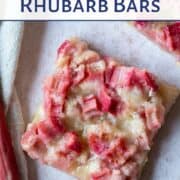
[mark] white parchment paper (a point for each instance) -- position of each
(116, 39)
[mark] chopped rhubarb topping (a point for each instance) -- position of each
(141, 24)
(103, 174)
(114, 152)
(50, 129)
(90, 104)
(96, 144)
(64, 48)
(57, 124)
(32, 131)
(143, 142)
(148, 80)
(62, 81)
(130, 77)
(72, 142)
(104, 99)
(56, 110)
(32, 143)
(172, 36)
(110, 62)
(79, 75)
(108, 75)
(59, 82)
(89, 87)
(127, 172)
(166, 34)
(37, 150)
(121, 77)
(45, 132)
(115, 155)
(55, 91)
(98, 77)
(117, 106)
(108, 102)
(52, 109)
(154, 117)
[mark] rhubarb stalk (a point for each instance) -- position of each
(8, 165)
